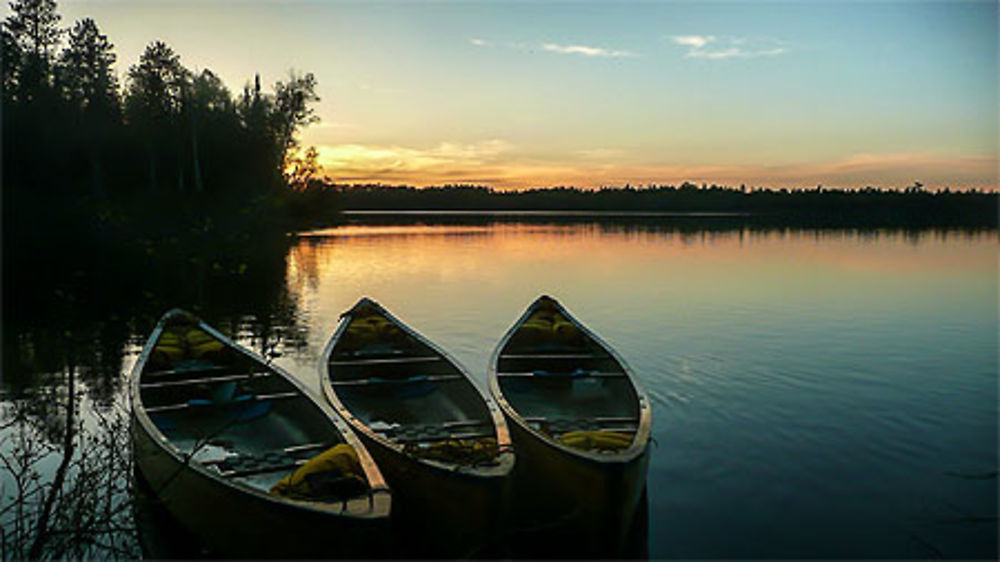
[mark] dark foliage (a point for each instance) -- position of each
(169, 146)
(817, 207)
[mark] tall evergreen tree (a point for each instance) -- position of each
(153, 103)
(86, 69)
(210, 105)
(87, 79)
(34, 27)
(155, 85)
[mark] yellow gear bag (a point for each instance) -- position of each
(340, 459)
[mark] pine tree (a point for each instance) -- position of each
(33, 26)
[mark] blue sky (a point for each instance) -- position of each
(531, 93)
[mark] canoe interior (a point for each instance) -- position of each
(235, 416)
(399, 386)
(558, 379)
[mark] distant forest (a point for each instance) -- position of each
(913, 206)
(168, 144)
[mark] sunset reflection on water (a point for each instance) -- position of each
(821, 379)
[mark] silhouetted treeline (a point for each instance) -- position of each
(169, 144)
(913, 206)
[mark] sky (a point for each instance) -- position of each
(523, 94)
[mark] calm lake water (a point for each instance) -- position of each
(816, 393)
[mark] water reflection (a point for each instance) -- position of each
(72, 326)
(735, 328)
(67, 472)
(824, 375)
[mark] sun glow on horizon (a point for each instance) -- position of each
(497, 164)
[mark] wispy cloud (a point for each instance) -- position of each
(694, 41)
(713, 48)
(585, 51)
(582, 50)
(735, 52)
(444, 161)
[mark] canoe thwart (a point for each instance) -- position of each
(380, 380)
(566, 425)
(385, 360)
(552, 356)
(307, 447)
(579, 373)
(202, 380)
(441, 437)
(263, 469)
(463, 423)
(279, 396)
(191, 404)
(179, 371)
(608, 419)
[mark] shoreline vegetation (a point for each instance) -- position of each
(162, 149)
(819, 206)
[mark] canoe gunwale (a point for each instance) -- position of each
(379, 496)
(644, 421)
(501, 431)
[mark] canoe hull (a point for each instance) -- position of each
(238, 524)
(439, 512)
(562, 496)
(573, 502)
(441, 509)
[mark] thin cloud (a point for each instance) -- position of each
(734, 52)
(582, 50)
(585, 51)
(712, 48)
(694, 41)
(399, 162)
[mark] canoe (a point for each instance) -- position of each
(441, 441)
(580, 422)
(243, 456)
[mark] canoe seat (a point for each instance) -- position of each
(417, 433)
(566, 425)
